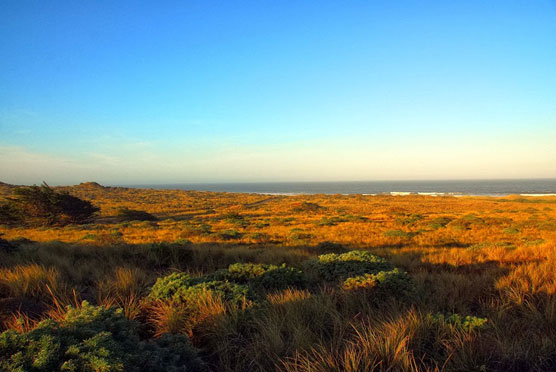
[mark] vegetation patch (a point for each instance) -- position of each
(409, 219)
(307, 207)
(389, 283)
(92, 339)
(439, 223)
(230, 234)
(333, 267)
(511, 230)
(262, 276)
(236, 219)
(181, 287)
(399, 234)
(466, 323)
(42, 206)
(327, 247)
(126, 214)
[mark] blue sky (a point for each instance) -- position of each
(200, 91)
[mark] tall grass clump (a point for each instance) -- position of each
(29, 281)
(398, 342)
(124, 288)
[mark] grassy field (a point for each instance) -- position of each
(443, 283)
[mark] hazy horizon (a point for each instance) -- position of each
(270, 182)
(127, 93)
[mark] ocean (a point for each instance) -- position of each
(533, 187)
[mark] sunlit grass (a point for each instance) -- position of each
(488, 257)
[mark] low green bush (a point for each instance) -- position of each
(307, 207)
(466, 323)
(408, 219)
(92, 339)
(181, 287)
(262, 276)
(398, 234)
(333, 267)
(511, 230)
(236, 219)
(230, 234)
(391, 283)
(439, 222)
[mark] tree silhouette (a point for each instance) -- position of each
(41, 205)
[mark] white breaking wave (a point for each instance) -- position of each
(537, 194)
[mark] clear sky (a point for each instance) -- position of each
(130, 92)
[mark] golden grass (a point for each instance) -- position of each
(491, 257)
(29, 281)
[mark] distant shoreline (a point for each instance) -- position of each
(496, 188)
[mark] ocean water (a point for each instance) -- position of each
(534, 187)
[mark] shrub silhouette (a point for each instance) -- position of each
(6, 246)
(307, 207)
(91, 339)
(41, 205)
(327, 247)
(230, 234)
(127, 214)
(9, 214)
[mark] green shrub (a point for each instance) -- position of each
(189, 230)
(391, 283)
(299, 235)
(331, 221)
(467, 323)
(167, 286)
(398, 234)
(229, 234)
(307, 207)
(181, 287)
(91, 339)
(511, 230)
(126, 214)
(466, 222)
(236, 219)
(408, 219)
(439, 222)
(332, 267)
(262, 276)
(260, 237)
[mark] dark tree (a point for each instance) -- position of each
(9, 214)
(41, 205)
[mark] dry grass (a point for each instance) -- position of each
(199, 316)
(29, 281)
(490, 257)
